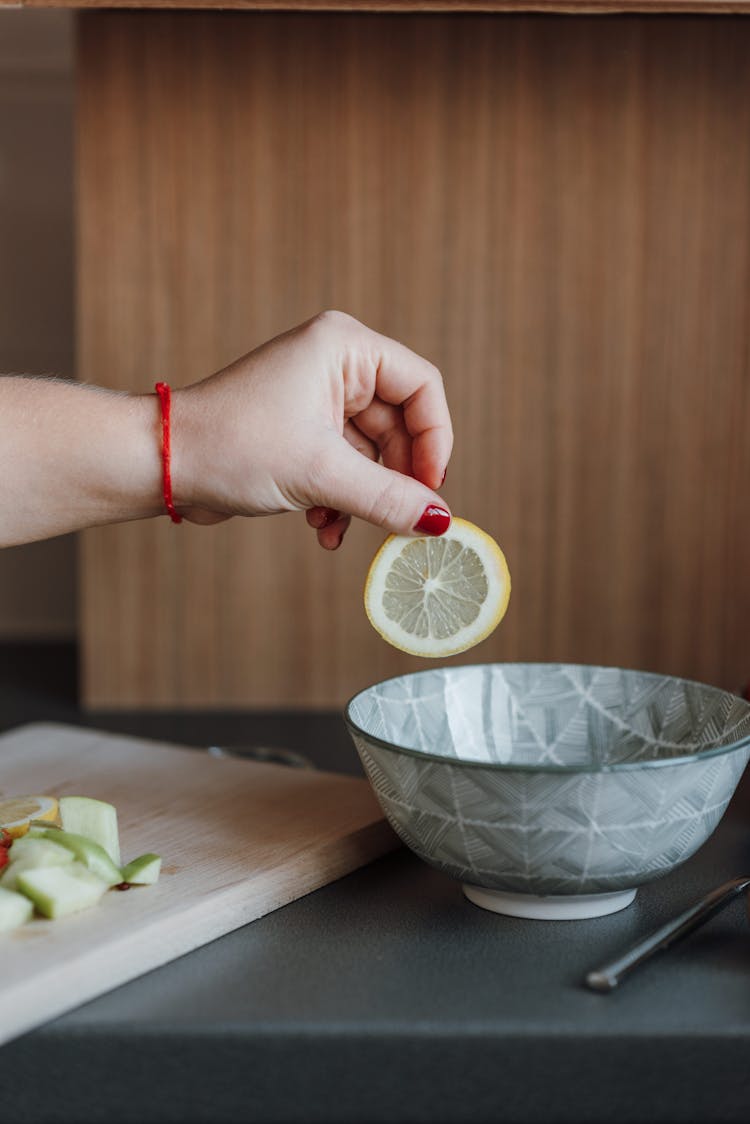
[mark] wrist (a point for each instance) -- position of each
(185, 444)
(133, 482)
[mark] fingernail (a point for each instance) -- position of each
(323, 517)
(434, 520)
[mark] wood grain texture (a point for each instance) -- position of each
(237, 840)
(574, 7)
(556, 212)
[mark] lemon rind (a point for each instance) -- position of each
(47, 811)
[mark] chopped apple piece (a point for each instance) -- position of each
(57, 891)
(143, 871)
(31, 854)
(88, 853)
(61, 870)
(95, 819)
(15, 910)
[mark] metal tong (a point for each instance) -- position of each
(608, 976)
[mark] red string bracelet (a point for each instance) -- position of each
(165, 398)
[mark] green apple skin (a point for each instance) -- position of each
(143, 871)
(90, 854)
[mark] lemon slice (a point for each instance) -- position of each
(438, 596)
(16, 812)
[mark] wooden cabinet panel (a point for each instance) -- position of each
(422, 6)
(555, 211)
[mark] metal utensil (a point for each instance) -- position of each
(608, 976)
(270, 754)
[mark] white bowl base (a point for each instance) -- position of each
(563, 907)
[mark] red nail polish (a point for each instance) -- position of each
(434, 520)
(329, 515)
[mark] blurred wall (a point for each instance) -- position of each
(556, 211)
(37, 582)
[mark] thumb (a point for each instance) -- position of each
(364, 488)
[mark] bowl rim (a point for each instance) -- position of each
(509, 766)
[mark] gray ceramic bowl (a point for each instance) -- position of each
(551, 790)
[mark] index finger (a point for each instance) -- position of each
(405, 379)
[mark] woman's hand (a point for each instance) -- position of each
(300, 424)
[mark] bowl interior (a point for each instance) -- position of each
(549, 715)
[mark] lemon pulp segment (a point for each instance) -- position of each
(438, 596)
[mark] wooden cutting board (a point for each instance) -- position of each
(237, 839)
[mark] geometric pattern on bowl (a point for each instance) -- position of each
(551, 779)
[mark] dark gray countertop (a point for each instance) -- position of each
(387, 997)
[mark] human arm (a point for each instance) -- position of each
(74, 456)
(295, 425)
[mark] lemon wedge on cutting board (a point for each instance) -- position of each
(17, 811)
(438, 596)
